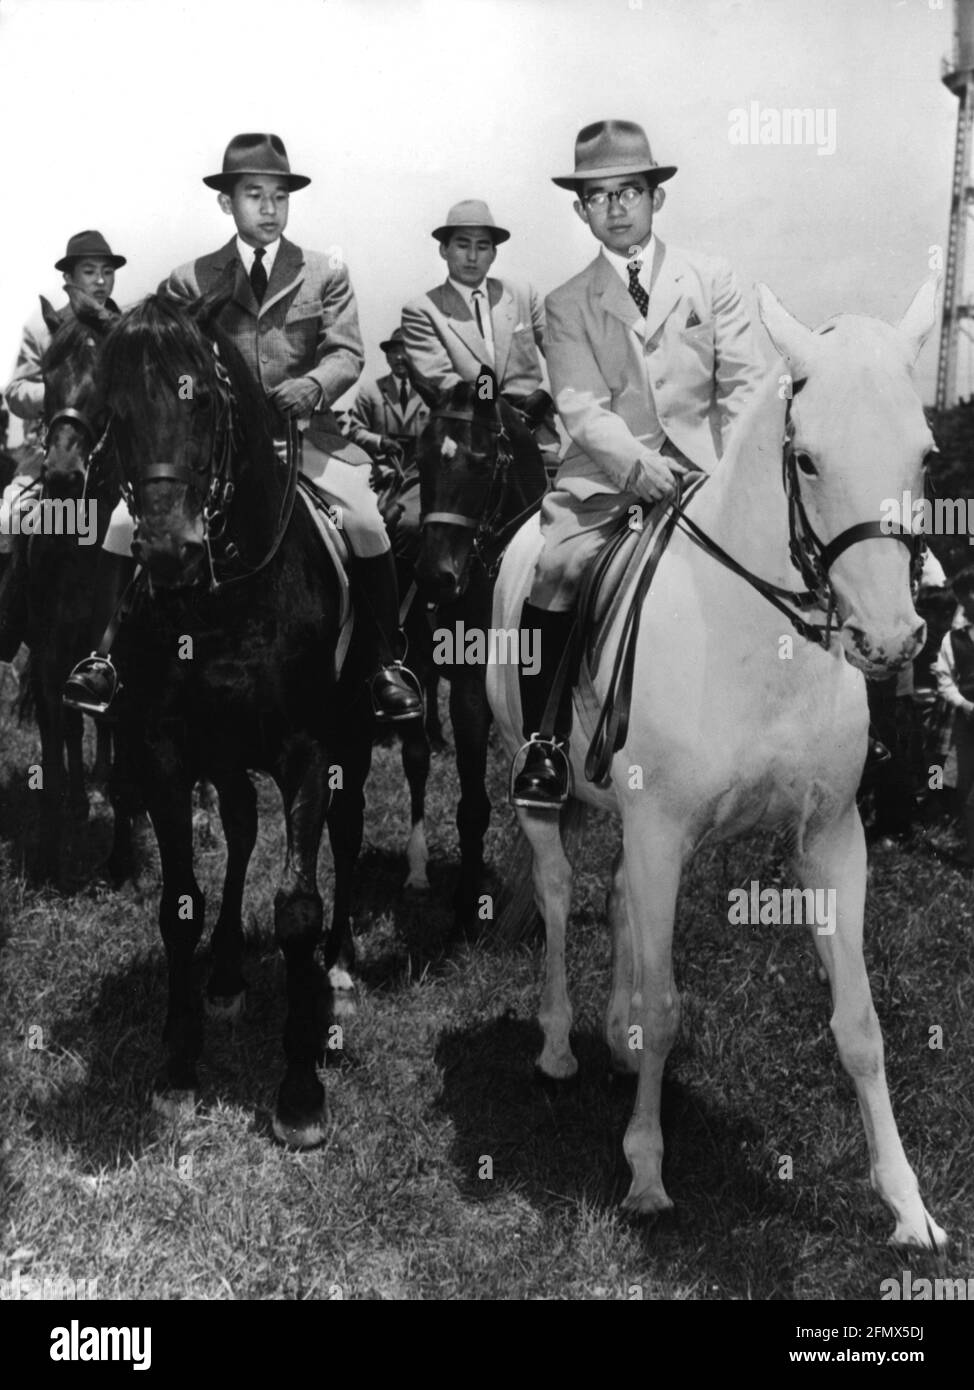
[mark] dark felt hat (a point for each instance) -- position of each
(84, 244)
(609, 149)
(395, 339)
(255, 154)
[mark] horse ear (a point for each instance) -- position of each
(920, 317)
(49, 314)
(794, 341)
(206, 309)
(86, 309)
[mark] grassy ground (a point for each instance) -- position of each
(436, 1077)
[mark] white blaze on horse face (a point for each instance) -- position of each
(448, 448)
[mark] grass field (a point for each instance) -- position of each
(436, 1077)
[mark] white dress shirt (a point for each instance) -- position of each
(467, 292)
(246, 254)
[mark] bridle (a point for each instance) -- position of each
(483, 525)
(811, 556)
(218, 499)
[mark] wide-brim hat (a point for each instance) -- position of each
(395, 339)
(255, 154)
(608, 149)
(472, 212)
(88, 243)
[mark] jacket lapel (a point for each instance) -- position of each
(462, 322)
(666, 287)
(616, 299)
(287, 272)
(502, 318)
(389, 387)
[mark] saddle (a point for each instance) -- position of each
(617, 583)
(339, 555)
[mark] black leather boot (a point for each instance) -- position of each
(93, 684)
(13, 600)
(375, 594)
(544, 781)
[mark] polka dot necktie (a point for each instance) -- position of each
(636, 289)
(258, 275)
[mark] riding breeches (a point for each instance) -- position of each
(17, 504)
(345, 487)
(574, 531)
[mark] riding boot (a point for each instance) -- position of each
(545, 779)
(375, 594)
(93, 684)
(13, 600)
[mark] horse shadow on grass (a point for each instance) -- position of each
(564, 1147)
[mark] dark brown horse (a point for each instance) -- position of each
(67, 522)
(481, 474)
(226, 657)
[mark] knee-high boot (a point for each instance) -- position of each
(544, 780)
(92, 684)
(375, 593)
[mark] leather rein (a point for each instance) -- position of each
(811, 556)
(483, 525)
(220, 549)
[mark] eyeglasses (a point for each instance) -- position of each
(628, 198)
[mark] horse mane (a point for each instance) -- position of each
(162, 340)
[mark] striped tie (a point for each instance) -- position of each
(636, 289)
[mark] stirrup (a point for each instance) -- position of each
(93, 663)
(554, 746)
(410, 678)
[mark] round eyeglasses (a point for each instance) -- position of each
(628, 198)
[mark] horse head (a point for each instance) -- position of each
(856, 440)
(174, 389)
(468, 487)
(74, 414)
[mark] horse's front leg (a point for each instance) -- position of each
(553, 894)
(652, 863)
(51, 786)
(181, 913)
(416, 766)
(238, 814)
(833, 861)
(618, 1018)
(470, 714)
(346, 820)
(73, 725)
(300, 1116)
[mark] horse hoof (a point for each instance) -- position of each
(651, 1201)
(225, 1008)
(929, 1236)
(310, 1134)
(173, 1106)
(343, 993)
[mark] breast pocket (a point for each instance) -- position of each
(301, 323)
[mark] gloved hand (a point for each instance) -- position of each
(653, 477)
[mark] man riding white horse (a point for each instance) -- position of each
(652, 358)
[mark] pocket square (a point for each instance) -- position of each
(693, 321)
(519, 327)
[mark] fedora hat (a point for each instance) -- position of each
(88, 244)
(607, 149)
(255, 154)
(394, 340)
(472, 212)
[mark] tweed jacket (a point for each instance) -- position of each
(307, 326)
(697, 366)
(377, 412)
(25, 393)
(444, 344)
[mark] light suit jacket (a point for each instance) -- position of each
(698, 365)
(306, 326)
(445, 346)
(377, 412)
(25, 394)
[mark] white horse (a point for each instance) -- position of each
(733, 728)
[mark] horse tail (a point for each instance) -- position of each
(518, 918)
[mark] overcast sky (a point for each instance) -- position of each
(113, 110)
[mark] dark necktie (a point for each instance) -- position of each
(477, 295)
(636, 289)
(403, 396)
(258, 275)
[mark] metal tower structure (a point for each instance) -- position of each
(958, 76)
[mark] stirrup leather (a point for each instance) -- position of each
(554, 746)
